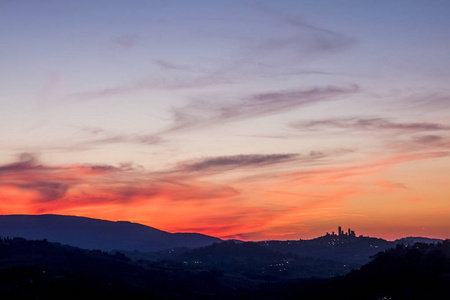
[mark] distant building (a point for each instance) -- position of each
(349, 233)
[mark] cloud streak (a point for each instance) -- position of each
(26, 161)
(172, 66)
(421, 143)
(49, 191)
(116, 139)
(324, 39)
(300, 37)
(223, 163)
(369, 124)
(85, 185)
(156, 84)
(294, 40)
(125, 42)
(100, 137)
(178, 193)
(202, 113)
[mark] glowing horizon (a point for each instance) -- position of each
(249, 120)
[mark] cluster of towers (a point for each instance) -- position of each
(350, 233)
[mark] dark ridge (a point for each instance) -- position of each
(98, 234)
(417, 239)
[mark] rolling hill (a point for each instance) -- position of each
(98, 234)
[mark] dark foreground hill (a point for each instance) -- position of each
(419, 271)
(343, 247)
(103, 235)
(253, 261)
(350, 250)
(43, 270)
(323, 257)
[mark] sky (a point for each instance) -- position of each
(253, 120)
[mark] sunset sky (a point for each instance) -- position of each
(240, 119)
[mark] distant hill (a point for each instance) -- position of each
(251, 260)
(98, 234)
(417, 239)
(419, 271)
(43, 270)
(325, 256)
(346, 249)
(349, 249)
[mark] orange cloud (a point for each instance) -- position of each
(284, 204)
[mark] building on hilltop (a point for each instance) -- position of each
(341, 233)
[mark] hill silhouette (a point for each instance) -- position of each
(346, 249)
(419, 271)
(103, 235)
(43, 270)
(252, 260)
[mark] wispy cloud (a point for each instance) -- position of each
(300, 37)
(292, 42)
(49, 191)
(26, 160)
(201, 113)
(172, 66)
(86, 184)
(371, 124)
(197, 81)
(309, 191)
(439, 99)
(105, 92)
(136, 139)
(308, 40)
(335, 174)
(97, 136)
(49, 182)
(397, 138)
(325, 40)
(430, 139)
(223, 163)
(423, 143)
(125, 42)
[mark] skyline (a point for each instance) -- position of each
(246, 119)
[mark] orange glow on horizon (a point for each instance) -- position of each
(374, 198)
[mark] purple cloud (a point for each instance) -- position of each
(323, 39)
(49, 191)
(26, 161)
(103, 137)
(87, 184)
(161, 84)
(357, 123)
(238, 161)
(171, 66)
(125, 42)
(138, 139)
(438, 100)
(300, 37)
(205, 113)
